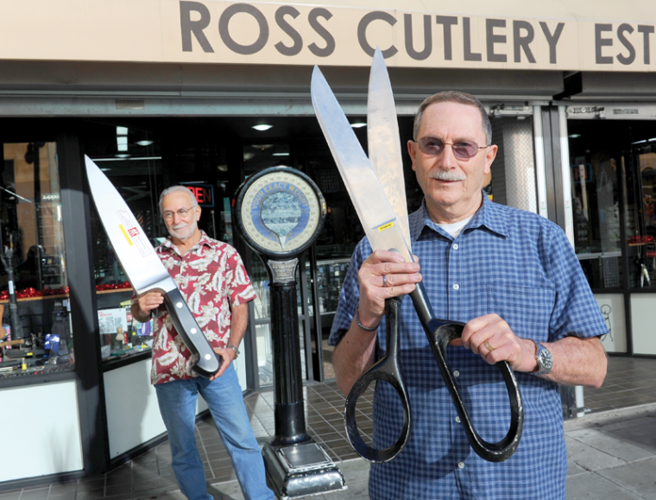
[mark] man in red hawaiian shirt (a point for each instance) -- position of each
(214, 282)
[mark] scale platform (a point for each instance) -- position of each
(301, 470)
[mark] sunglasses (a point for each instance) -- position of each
(463, 150)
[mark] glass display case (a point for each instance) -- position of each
(330, 277)
(35, 336)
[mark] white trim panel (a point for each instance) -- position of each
(47, 440)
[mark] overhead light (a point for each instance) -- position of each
(248, 156)
(123, 155)
(358, 124)
(128, 157)
(261, 146)
(640, 142)
(105, 169)
(280, 154)
(122, 142)
(262, 127)
(222, 168)
(144, 143)
(574, 136)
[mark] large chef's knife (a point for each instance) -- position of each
(384, 227)
(144, 268)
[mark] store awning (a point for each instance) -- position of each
(572, 35)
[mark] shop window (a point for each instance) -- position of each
(36, 334)
(613, 171)
(642, 205)
(131, 158)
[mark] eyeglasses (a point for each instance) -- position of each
(182, 213)
(463, 150)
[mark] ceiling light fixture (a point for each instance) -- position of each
(280, 154)
(144, 143)
(358, 124)
(263, 127)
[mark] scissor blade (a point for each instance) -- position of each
(377, 216)
(384, 140)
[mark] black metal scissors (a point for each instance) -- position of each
(388, 369)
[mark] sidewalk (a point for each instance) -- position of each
(611, 456)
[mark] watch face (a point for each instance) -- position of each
(280, 212)
(545, 359)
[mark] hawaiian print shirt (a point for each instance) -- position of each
(212, 278)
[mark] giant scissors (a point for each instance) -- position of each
(377, 190)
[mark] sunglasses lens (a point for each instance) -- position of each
(431, 145)
(465, 149)
(462, 150)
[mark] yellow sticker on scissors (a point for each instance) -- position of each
(385, 226)
(125, 233)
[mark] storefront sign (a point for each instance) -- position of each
(204, 193)
(224, 32)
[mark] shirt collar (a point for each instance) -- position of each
(489, 216)
(170, 246)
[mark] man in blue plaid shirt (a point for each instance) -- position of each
(513, 277)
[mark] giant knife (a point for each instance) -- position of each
(144, 268)
(383, 212)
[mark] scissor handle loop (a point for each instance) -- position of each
(440, 336)
(387, 370)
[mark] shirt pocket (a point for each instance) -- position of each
(527, 310)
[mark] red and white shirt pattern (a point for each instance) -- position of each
(212, 279)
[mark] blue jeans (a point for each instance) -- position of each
(177, 404)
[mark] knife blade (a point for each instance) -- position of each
(380, 221)
(384, 143)
(144, 268)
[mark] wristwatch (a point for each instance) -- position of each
(234, 348)
(544, 359)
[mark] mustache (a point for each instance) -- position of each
(179, 226)
(442, 175)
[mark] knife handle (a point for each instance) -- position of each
(207, 362)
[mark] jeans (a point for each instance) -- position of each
(177, 404)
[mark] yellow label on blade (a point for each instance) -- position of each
(125, 233)
(385, 226)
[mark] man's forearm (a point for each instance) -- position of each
(238, 324)
(578, 361)
(354, 354)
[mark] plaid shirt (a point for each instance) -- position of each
(212, 279)
(506, 261)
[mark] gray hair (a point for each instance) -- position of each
(175, 189)
(460, 98)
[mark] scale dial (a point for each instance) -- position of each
(280, 212)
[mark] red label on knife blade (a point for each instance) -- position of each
(132, 227)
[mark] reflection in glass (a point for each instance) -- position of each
(36, 333)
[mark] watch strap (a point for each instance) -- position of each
(234, 348)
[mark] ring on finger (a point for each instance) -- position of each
(384, 280)
(488, 346)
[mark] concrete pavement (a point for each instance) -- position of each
(611, 456)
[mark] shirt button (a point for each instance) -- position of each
(456, 373)
(455, 246)
(461, 465)
(458, 419)
(456, 287)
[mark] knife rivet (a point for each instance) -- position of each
(178, 305)
(193, 330)
(208, 357)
